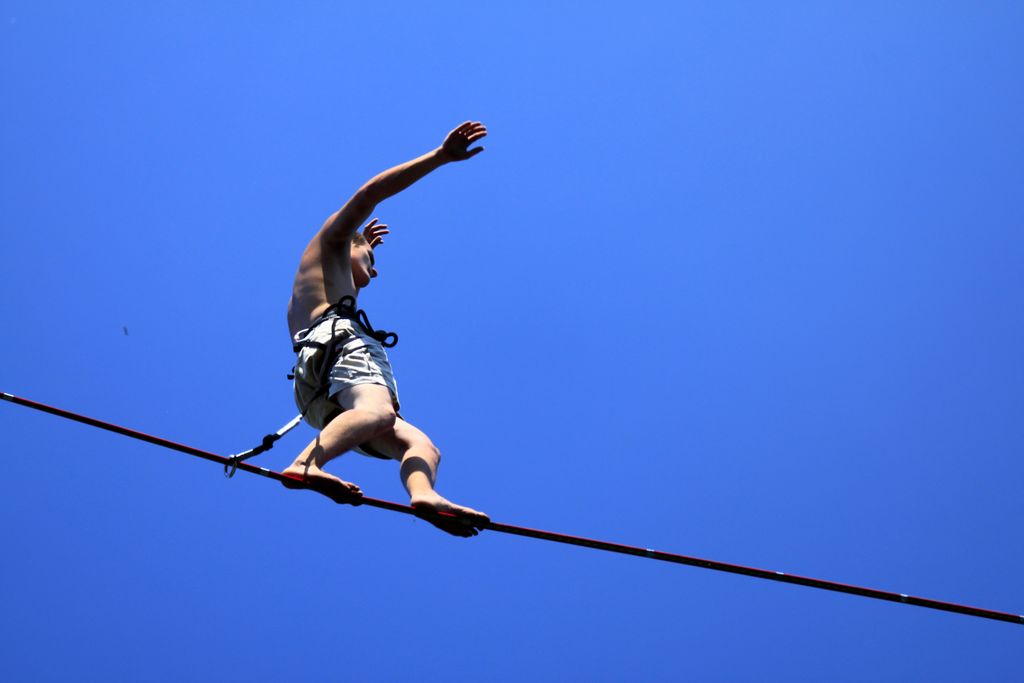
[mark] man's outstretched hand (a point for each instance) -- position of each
(374, 233)
(456, 145)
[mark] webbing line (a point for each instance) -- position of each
(339, 497)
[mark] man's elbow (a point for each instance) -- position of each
(340, 226)
(367, 198)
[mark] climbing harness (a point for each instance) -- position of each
(341, 495)
(346, 308)
(328, 350)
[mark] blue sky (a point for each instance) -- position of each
(731, 280)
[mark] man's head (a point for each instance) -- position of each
(363, 262)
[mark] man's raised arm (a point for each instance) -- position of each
(340, 227)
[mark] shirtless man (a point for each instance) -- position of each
(343, 380)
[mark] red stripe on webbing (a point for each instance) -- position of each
(339, 497)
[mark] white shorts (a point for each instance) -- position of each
(358, 358)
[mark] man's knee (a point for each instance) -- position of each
(425, 447)
(373, 402)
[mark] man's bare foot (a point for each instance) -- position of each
(314, 477)
(466, 520)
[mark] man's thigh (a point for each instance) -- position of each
(369, 397)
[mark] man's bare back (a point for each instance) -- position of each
(338, 263)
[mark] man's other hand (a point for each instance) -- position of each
(374, 233)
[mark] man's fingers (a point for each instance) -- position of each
(473, 152)
(375, 234)
(476, 136)
(469, 127)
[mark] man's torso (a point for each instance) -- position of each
(324, 277)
